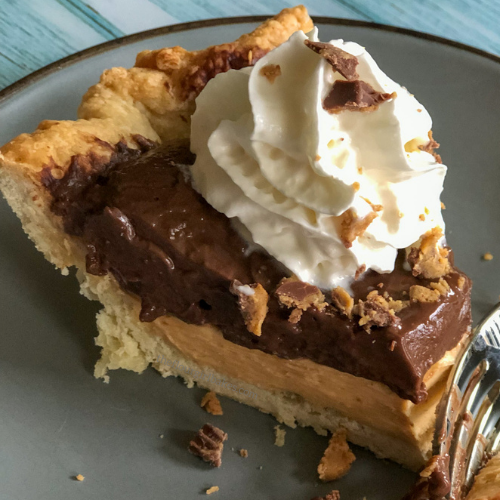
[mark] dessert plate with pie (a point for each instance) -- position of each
(254, 207)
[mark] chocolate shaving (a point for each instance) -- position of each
(354, 95)
(208, 444)
(339, 59)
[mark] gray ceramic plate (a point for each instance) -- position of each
(56, 420)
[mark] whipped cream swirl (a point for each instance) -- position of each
(270, 156)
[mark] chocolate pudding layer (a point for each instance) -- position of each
(144, 223)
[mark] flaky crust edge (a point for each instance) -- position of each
(145, 100)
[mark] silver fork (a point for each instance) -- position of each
(468, 418)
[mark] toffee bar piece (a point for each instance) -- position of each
(178, 283)
(208, 444)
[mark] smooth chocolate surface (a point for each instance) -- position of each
(143, 222)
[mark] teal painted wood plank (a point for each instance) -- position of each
(190, 10)
(92, 17)
(474, 22)
(34, 33)
(124, 14)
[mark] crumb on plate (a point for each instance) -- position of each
(211, 403)
(337, 459)
(280, 436)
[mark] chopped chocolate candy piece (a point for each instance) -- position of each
(430, 147)
(342, 301)
(252, 300)
(441, 287)
(212, 489)
(339, 59)
(354, 95)
(337, 459)
(333, 495)
(461, 282)
(377, 311)
(271, 72)
(420, 293)
(352, 227)
(432, 293)
(429, 261)
(208, 444)
(211, 403)
(295, 316)
(243, 453)
(359, 271)
(292, 293)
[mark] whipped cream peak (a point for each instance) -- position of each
(325, 193)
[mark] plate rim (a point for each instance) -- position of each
(94, 50)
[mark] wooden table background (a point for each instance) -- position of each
(34, 33)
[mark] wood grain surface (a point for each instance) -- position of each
(34, 33)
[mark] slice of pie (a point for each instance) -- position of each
(283, 246)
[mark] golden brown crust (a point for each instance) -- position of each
(125, 103)
(163, 84)
(56, 142)
(189, 72)
(144, 100)
(487, 483)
